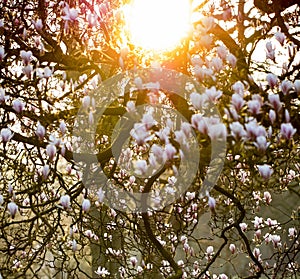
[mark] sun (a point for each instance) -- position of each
(157, 25)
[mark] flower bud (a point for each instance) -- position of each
(86, 205)
(12, 209)
(6, 135)
(18, 106)
(65, 201)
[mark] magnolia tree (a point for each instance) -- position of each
(117, 162)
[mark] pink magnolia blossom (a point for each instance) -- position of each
(287, 130)
(231, 60)
(51, 151)
(209, 251)
(86, 101)
(70, 14)
(238, 88)
(275, 101)
(158, 153)
(196, 60)
(141, 167)
(133, 260)
(65, 201)
(255, 130)
(102, 272)
(222, 52)
(18, 106)
(243, 226)
(217, 131)
(140, 133)
(40, 131)
(148, 121)
(257, 254)
(237, 101)
(292, 233)
(267, 197)
(257, 234)
(213, 94)
(265, 171)
(258, 221)
(272, 116)
(27, 70)
(276, 240)
(12, 209)
(47, 72)
(297, 86)
(286, 87)
(232, 248)
(198, 100)
(237, 130)
(62, 127)
(3, 97)
(74, 245)
(261, 143)
(101, 195)
(217, 64)
(280, 37)
(26, 56)
(6, 135)
(254, 107)
(38, 24)
(272, 80)
(170, 151)
(199, 123)
(45, 171)
(270, 51)
(130, 106)
(86, 205)
(211, 203)
(2, 53)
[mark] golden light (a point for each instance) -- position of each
(158, 24)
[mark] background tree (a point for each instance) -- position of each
(241, 56)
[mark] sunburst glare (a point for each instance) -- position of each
(157, 24)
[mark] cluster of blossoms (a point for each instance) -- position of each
(129, 209)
